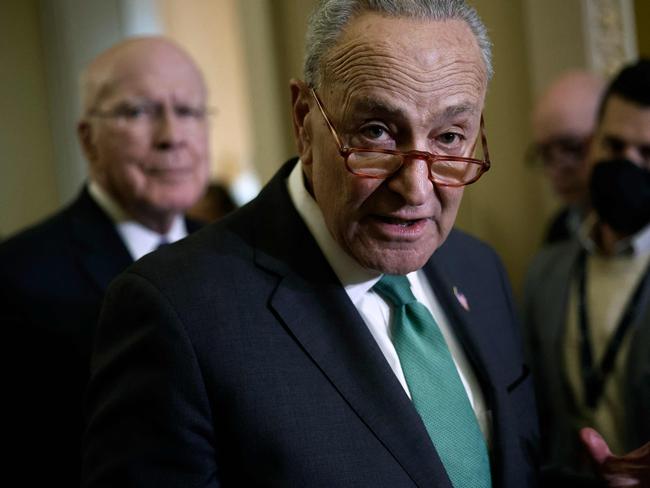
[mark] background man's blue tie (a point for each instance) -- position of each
(436, 388)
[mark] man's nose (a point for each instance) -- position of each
(168, 132)
(412, 181)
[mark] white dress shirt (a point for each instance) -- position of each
(138, 239)
(358, 283)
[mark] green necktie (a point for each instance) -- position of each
(436, 389)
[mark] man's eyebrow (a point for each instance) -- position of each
(375, 106)
(460, 109)
(371, 105)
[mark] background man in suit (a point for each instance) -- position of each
(335, 331)
(586, 309)
(563, 122)
(144, 134)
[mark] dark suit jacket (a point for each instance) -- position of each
(235, 358)
(545, 312)
(558, 228)
(52, 280)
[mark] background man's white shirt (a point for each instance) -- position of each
(138, 239)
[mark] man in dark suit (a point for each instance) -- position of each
(335, 331)
(143, 131)
(587, 300)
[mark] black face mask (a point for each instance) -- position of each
(620, 194)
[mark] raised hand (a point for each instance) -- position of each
(631, 469)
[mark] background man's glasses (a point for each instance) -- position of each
(565, 151)
(445, 170)
(150, 112)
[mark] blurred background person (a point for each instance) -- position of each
(587, 313)
(143, 131)
(562, 123)
(215, 203)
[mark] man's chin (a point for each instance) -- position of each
(395, 262)
(174, 202)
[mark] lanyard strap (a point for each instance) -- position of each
(593, 375)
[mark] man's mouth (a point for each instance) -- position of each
(166, 171)
(400, 222)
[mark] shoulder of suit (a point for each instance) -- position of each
(459, 242)
(43, 240)
(549, 259)
(553, 253)
(41, 235)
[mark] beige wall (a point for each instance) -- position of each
(27, 178)
(269, 96)
(505, 208)
(642, 13)
(211, 32)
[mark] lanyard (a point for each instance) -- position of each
(593, 375)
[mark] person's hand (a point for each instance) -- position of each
(631, 469)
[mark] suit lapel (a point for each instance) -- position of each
(99, 249)
(331, 331)
(478, 340)
(559, 278)
(316, 311)
(479, 318)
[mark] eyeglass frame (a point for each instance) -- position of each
(120, 112)
(430, 158)
(536, 152)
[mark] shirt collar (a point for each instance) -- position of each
(138, 239)
(356, 279)
(637, 244)
(107, 203)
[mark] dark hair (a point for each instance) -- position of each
(632, 84)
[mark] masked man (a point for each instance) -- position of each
(587, 302)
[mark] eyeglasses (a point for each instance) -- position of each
(445, 170)
(149, 112)
(564, 151)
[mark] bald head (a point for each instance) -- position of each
(144, 129)
(563, 120)
(568, 106)
(132, 57)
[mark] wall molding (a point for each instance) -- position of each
(610, 34)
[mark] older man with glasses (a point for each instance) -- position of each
(336, 331)
(143, 131)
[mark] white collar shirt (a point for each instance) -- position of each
(138, 239)
(637, 244)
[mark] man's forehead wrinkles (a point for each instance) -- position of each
(410, 75)
(385, 63)
(467, 89)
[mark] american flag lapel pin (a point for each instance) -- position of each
(462, 299)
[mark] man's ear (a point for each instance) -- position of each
(300, 99)
(87, 140)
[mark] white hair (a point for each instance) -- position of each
(331, 16)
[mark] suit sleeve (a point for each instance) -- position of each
(149, 419)
(531, 287)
